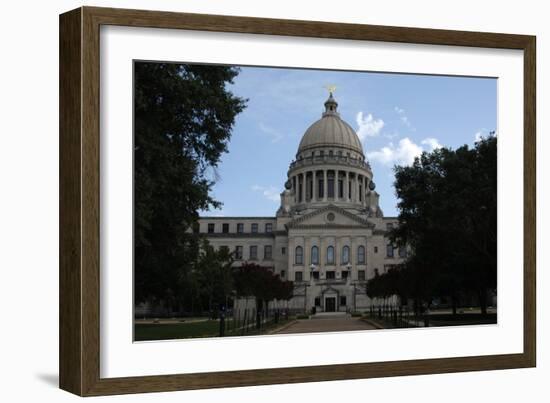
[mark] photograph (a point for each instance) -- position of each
(275, 200)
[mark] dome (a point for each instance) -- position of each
(330, 131)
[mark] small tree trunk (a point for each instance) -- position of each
(483, 302)
(454, 302)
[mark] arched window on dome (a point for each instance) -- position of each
(314, 255)
(361, 255)
(299, 255)
(331, 153)
(330, 255)
(345, 255)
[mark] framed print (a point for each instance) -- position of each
(249, 201)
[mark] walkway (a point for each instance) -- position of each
(328, 323)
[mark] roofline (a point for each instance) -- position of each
(236, 218)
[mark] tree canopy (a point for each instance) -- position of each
(183, 115)
(448, 219)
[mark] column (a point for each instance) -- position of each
(325, 185)
(294, 188)
(353, 188)
(314, 186)
(304, 187)
(346, 187)
(358, 193)
(364, 191)
(336, 185)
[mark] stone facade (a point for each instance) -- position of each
(329, 234)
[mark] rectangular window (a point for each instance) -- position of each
(340, 189)
(360, 193)
(283, 251)
(349, 190)
(283, 274)
(389, 250)
(253, 252)
(224, 248)
(240, 228)
(225, 228)
(330, 187)
(268, 252)
(238, 252)
(315, 275)
(376, 249)
(300, 193)
(268, 227)
(321, 191)
(330, 275)
(211, 227)
(298, 276)
(254, 228)
(402, 251)
(361, 275)
(343, 300)
(317, 301)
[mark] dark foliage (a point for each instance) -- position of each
(183, 120)
(448, 218)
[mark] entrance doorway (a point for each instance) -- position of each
(330, 304)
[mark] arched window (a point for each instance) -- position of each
(330, 255)
(361, 255)
(314, 255)
(345, 255)
(299, 255)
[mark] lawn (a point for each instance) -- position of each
(168, 331)
(207, 328)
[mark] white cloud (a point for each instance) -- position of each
(275, 135)
(404, 152)
(270, 192)
(431, 142)
(404, 118)
(368, 125)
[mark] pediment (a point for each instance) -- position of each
(330, 217)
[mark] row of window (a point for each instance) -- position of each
(331, 153)
(252, 252)
(329, 275)
(330, 189)
(330, 257)
(345, 257)
(254, 228)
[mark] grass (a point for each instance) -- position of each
(462, 319)
(210, 328)
(154, 331)
(438, 319)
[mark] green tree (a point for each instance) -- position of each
(252, 280)
(447, 216)
(183, 115)
(214, 277)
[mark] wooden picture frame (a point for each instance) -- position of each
(79, 200)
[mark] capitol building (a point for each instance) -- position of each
(329, 235)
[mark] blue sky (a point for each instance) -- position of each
(395, 115)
